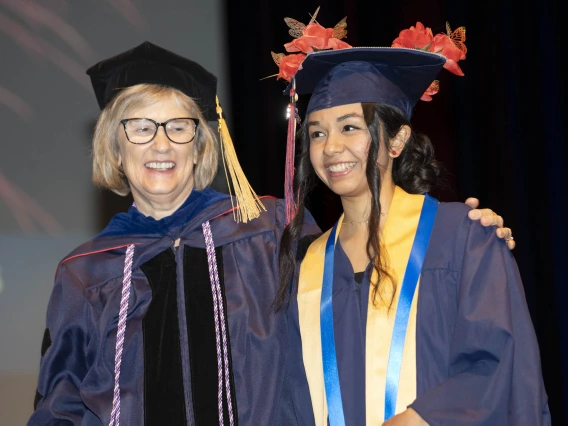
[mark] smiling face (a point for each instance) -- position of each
(339, 146)
(160, 173)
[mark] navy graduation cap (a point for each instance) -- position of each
(393, 76)
(334, 73)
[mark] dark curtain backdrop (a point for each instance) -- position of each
(499, 129)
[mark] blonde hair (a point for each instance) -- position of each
(107, 173)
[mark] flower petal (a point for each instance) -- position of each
(453, 67)
(289, 65)
(337, 44)
(414, 37)
(431, 91)
(316, 30)
(445, 46)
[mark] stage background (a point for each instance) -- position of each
(499, 130)
(48, 204)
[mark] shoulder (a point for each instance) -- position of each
(318, 244)
(449, 236)
(451, 221)
(97, 261)
(453, 218)
(455, 236)
(230, 219)
(227, 227)
(455, 213)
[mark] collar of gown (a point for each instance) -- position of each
(133, 222)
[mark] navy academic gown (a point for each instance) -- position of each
(477, 357)
(169, 366)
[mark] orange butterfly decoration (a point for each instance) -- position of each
(458, 37)
(297, 28)
(339, 31)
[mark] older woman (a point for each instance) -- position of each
(165, 318)
(406, 312)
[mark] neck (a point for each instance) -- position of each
(160, 206)
(357, 209)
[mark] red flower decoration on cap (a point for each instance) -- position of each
(450, 45)
(431, 91)
(308, 38)
(314, 36)
(289, 65)
(414, 37)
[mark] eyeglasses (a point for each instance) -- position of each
(144, 130)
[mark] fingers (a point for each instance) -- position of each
(475, 214)
(487, 217)
(472, 202)
(492, 219)
(507, 235)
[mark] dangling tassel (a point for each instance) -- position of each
(248, 206)
(292, 115)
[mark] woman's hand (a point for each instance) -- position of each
(488, 217)
(408, 417)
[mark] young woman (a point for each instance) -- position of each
(406, 312)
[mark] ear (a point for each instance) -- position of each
(398, 143)
(119, 160)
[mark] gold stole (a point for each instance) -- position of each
(397, 238)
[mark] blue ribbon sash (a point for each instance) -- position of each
(407, 290)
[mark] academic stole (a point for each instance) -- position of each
(390, 355)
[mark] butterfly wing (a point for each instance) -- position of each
(457, 36)
(448, 29)
(277, 57)
(296, 27)
(314, 15)
(339, 31)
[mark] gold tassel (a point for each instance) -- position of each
(248, 206)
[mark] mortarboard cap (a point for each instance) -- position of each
(393, 76)
(151, 64)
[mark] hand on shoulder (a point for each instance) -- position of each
(488, 217)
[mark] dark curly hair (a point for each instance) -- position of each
(415, 170)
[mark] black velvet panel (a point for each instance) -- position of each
(37, 398)
(201, 336)
(163, 377)
(45, 344)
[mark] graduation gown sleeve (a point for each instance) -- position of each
(64, 362)
(493, 374)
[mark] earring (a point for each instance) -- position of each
(393, 153)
